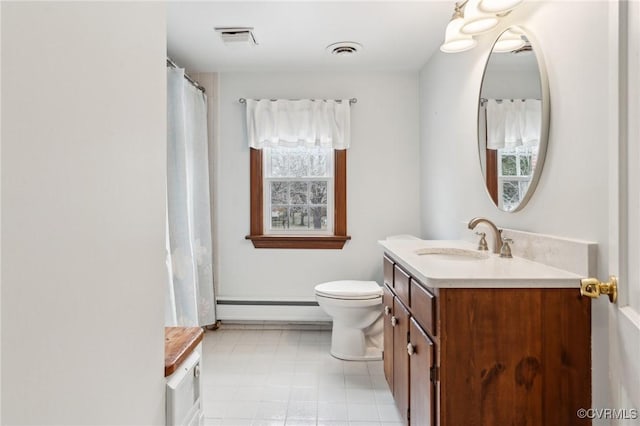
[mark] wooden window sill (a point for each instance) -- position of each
(299, 242)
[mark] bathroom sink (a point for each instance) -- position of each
(450, 253)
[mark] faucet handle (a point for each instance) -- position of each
(505, 250)
(482, 244)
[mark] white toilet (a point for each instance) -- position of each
(356, 309)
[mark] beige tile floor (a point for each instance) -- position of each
(287, 377)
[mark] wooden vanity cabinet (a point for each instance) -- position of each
(486, 356)
(408, 369)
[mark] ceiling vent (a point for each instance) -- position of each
(237, 36)
(344, 48)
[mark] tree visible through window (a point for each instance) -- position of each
(515, 170)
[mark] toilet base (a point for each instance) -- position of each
(353, 345)
(372, 354)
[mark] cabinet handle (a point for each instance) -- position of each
(387, 310)
(394, 321)
(410, 349)
(196, 371)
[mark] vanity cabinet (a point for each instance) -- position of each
(486, 356)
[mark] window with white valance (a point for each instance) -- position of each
(298, 172)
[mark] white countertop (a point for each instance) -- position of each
(492, 272)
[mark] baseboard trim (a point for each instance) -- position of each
(270, 310)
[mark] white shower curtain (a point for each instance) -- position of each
(190, 295)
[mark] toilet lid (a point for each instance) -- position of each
(349, 289)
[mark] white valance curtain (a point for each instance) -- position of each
(512, 123)
(307, 122)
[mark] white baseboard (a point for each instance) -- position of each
(291, 313)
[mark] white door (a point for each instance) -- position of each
(624, 253)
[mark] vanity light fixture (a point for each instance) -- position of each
(454, 40)
(477, 21)
(473, 17)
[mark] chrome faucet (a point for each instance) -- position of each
(497, 233)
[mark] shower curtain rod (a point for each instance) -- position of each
(351, 101)
(197, 85)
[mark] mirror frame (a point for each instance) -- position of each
(545, 117)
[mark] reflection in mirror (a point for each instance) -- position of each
(513, 120)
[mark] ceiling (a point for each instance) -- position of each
(293, 36)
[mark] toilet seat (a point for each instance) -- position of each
(349, 290)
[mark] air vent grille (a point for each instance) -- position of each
(344, 48)
(237, 35)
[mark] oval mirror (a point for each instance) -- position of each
(513, 119)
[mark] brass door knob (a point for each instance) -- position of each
(593, 288)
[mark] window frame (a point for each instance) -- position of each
(257, 235)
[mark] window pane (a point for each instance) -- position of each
(318, 217)
(319, 162)
(279, 217)
(509, 165)
(510, 195)
(525, 165)
(318, 192)
(298, 162)
(279, 192)
(298, 217)
(277, 166)
(298, 193)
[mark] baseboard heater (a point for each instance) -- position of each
(269, 310)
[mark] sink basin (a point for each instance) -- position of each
(449, 253)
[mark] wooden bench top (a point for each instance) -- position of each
(179, 342)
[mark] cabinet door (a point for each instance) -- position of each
(422, 397)
(401, 357)
(387, 303)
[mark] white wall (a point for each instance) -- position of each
(382, 181)
(571, 198)
(83, 202)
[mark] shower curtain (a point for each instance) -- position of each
(190, 293)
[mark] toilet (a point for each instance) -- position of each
(356, 309)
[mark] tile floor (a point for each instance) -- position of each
(287, 377)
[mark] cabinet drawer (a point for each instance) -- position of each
(387, 268)
(401, 285)
(423, 307)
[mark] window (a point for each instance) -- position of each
(298, 197)
(298, 172)
(298, 190)
(515, 170)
